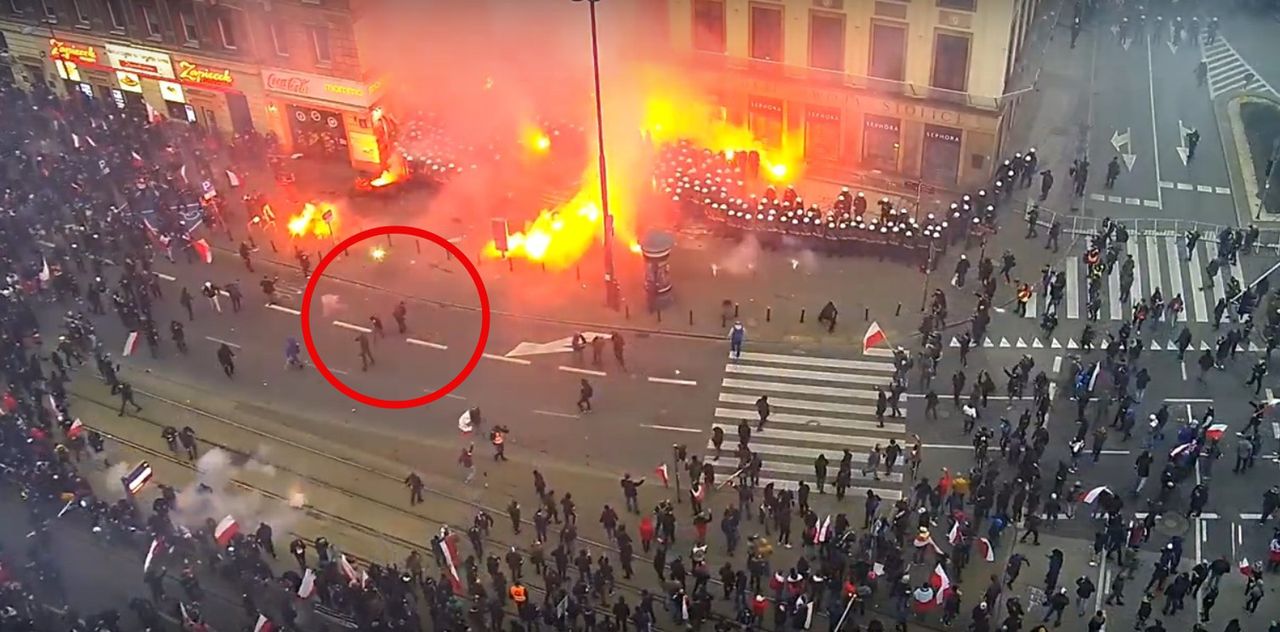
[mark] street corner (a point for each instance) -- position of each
(1250, 122)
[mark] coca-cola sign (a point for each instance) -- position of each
(290, 84)
(320, 88)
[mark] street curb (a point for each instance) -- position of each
(1230, 109)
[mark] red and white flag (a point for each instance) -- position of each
(874, 336)
(45, 273)
(662, 474)
(264, 624)
(940, 582)
(130, 344)
(203, 249)
(233, 178)
(449, 549)
(985, 548)
(76, 428)
(1215, 431)
(75, 141)
(954, 536)
(226, 530)
(1182, 449)
(347, 569)
(1094, 493)
(1246, 568)
(151, 555)
(308, 585)
(824, 529)
(698, 493)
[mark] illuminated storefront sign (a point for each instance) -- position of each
(140, 60)
(68, 51)
(129, 82)
(170, 91)
(321, 88)
(190, 72)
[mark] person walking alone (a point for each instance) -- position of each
(226, 359)
(584, 396)
(366, 355)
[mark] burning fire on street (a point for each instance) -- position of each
(318, 219)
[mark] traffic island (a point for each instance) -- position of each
(1255, 131)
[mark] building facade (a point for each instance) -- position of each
(287, 67)
(909, 90)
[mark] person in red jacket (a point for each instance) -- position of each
(646, 532)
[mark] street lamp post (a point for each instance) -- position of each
(612, 293)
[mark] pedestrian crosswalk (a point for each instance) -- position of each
(1228, 71)
(1160, 262)
(818, 405)
(1154, 344)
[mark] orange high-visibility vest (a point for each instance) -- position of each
(518, 594)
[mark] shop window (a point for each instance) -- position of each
(188, 26)
(822, 134)
(227, 30)
(50, 14)
(82, 16)
(950, 61)
(765, 120)
(115, 13)
(963, 5)
(279, 40)
(888, 51)
(826, 41)
(320, 42)
(708, 26)
(151, 16)
(941, 155)
(881, 138)
(766, 32)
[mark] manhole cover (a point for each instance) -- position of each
(1172, 524)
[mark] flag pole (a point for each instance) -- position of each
(847, 608)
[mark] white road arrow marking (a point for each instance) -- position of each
(1173, 48)
(1118, 140)
(562, 345)
(1182, 142)
(1129, 159)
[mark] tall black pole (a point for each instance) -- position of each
(612, 293)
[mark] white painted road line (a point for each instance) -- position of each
(222, 342)
(339, 371)
(424, 343)
(519, 361)
(346, 325)
(574, 369)
(167, 277)
(552, 413)
(671, 428)
(282, 308)
(452, 396)
(668, 380)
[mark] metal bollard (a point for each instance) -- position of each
(691, 317)
(802, 315)
(866, 314)
(544, 266)
(659, 315)
(273, 246)
(347, 252)
(626, 312)
(898, 312)
(388, 239)
(736, 307)
(577, 272)
(724, 321)
(319, 255)
(768, 314)
(417, 244)
(511, 264)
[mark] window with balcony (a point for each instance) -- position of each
(320, 44)
(766, 32)
(188, 27)
(227, 30)
(115, 13)
(962, 5)
(708, 26)
(50, 15)
(151, 17)
(279, 41)
(82, 16)
(950, 61)
(888, 51)
(826, 41)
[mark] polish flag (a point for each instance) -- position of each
(10, 403)
(1182, 449)
(1246, 568)
(449, 549)
(151, 554)
(987, 551)
(203, 249)
(75, 429)
(308, 586)
(465, 423)
(824, 528)
(698, 493)
(874, 336)
(662, 474)
(954, 536)
(45, 274)
(877, 571)
(130, 344)
(347, 569)
(940, 582)
(226, 530)
(1216, 431)
(264, 624)
(1093, 494)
